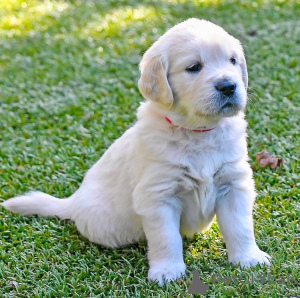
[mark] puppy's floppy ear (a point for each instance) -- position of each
(153, 83)
(244, 71)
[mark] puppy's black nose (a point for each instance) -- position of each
(226, 87)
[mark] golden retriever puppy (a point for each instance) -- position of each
(182, 163)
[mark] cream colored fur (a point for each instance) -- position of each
(160, 181)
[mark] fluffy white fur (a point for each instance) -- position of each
(160, 181)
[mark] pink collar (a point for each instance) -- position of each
(183, 128)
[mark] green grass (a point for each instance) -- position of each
(68, 89)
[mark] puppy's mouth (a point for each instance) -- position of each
(222, 106)
(229, 108)
(228, 105)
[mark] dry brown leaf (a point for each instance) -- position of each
(264, 158)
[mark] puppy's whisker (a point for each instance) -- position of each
(253, 97)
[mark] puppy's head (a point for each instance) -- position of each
(197, 70)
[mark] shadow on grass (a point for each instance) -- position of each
(76, 33)
(108, 18)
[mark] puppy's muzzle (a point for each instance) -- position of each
(226, 87)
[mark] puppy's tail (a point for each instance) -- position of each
(41, 204)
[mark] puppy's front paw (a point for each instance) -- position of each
(166, 271)
(250, 258)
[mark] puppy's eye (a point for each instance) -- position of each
(194, 68)
(233, 60)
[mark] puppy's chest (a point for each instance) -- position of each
(197, 184)
(197, 190)
(198, 171)
(199, 164)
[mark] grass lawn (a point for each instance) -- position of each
(68, 89)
